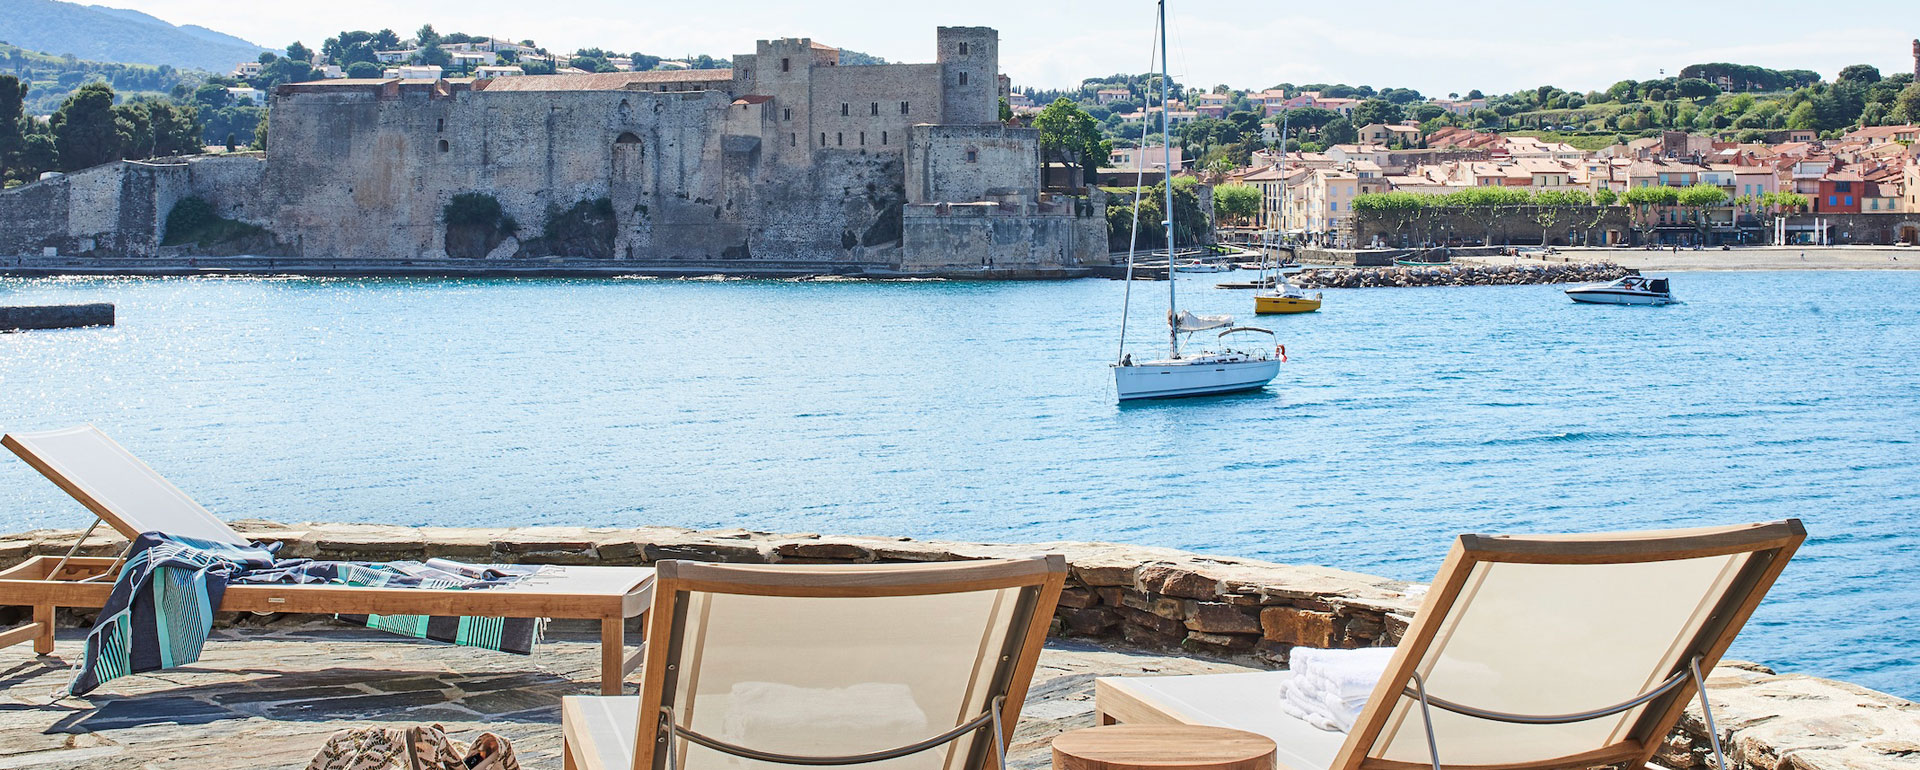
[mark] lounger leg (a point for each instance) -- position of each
(566, 755)
(613, 649)
(43, 615)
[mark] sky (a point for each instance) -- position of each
(1495, 46)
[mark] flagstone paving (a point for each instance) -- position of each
(268, 697)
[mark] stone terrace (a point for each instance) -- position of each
(268, 691)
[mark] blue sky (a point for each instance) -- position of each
(1492, 46)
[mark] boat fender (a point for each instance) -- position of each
(1281, 350)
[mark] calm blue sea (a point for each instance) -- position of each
(985, 412)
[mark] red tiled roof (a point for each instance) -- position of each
(602, 81)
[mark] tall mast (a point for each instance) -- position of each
(1166, 152)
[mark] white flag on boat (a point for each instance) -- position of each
(1188, 322)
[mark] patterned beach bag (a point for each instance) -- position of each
(415, 748)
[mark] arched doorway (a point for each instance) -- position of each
(628, 155)
(1908, 233)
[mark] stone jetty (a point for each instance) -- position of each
(270, 687)
(22, 317)
(1455, 275)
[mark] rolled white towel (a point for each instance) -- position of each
(1329, 688)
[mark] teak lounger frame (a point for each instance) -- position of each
(609, 595)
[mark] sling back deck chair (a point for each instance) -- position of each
(129, 496)
(1569, 651)
(896, 666)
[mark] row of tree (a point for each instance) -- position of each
(1550, 208)
(88, 130)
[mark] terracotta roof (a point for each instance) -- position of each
(753, 99)
(603, 81)
(823, 47)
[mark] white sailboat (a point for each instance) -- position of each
(1198, 373)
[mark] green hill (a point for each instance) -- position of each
(98, 33)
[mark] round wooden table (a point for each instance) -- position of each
(1162, 747)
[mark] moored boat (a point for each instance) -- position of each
(1634, 289)
(1285, 297)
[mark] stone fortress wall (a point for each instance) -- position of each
(1243, 610)
(787, 157)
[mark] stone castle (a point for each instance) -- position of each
(786, 158)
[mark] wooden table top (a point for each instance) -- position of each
(1162, 747)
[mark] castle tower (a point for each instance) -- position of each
(969, 59)
(1916, 60)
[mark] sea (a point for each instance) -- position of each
(986, 411)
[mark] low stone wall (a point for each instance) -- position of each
(1239, 609)
(1456, 275)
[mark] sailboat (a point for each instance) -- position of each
(1200, 373)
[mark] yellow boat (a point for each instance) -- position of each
(1267, 304)
(1284, 297)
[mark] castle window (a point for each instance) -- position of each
(843, 110)
(903, 108)
(863, 139)
(440, 125)
(823, 139)
(883, 138)
(786, 65)
(963, 78)
(873, 109)
(786, 113)
(963, 48)
(793, 140)
(839, 139)
(973, 155)
(443, 145)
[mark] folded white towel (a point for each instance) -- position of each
(1329, 688)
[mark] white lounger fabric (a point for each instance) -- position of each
(117, 486)
(1243, 702)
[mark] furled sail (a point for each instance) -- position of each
(1188, 322)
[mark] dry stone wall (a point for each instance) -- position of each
(1159, 598)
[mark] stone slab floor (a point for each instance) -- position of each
(268, 697)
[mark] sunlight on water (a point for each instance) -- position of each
(985, 411)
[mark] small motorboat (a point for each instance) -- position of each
(1285, 297)
(1635, 289)
(1196, 266)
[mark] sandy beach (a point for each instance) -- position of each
(1756, 258)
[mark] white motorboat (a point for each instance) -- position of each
(1196, 266)
(1198, 373)
(1632, 290)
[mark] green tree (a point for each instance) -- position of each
(1339, 131)
(1069, 134)
(426, 36)
(176, 129)
(1695, 88)
(364, 69)
(1398, 209)
(1006, 112)
(1377, 111)
(85, 129)
(434, 55)
(38, 154)
(1803, 117)
(1550, 206)
(1646, 201)
(1236, 202)
(13, 96)
(1862, 74)
(298, 52)
(1698, 198)
(1906, 106)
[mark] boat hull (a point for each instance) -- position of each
(1147, 381)
(1616, 297)
(1278, 305)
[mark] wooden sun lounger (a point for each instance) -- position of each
(1530, 653)
(132, 498)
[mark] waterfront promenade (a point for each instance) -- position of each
(1742, 258)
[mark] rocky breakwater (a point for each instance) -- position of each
(1455, 275)
(1244, 610)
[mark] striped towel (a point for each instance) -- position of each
(161, 607)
